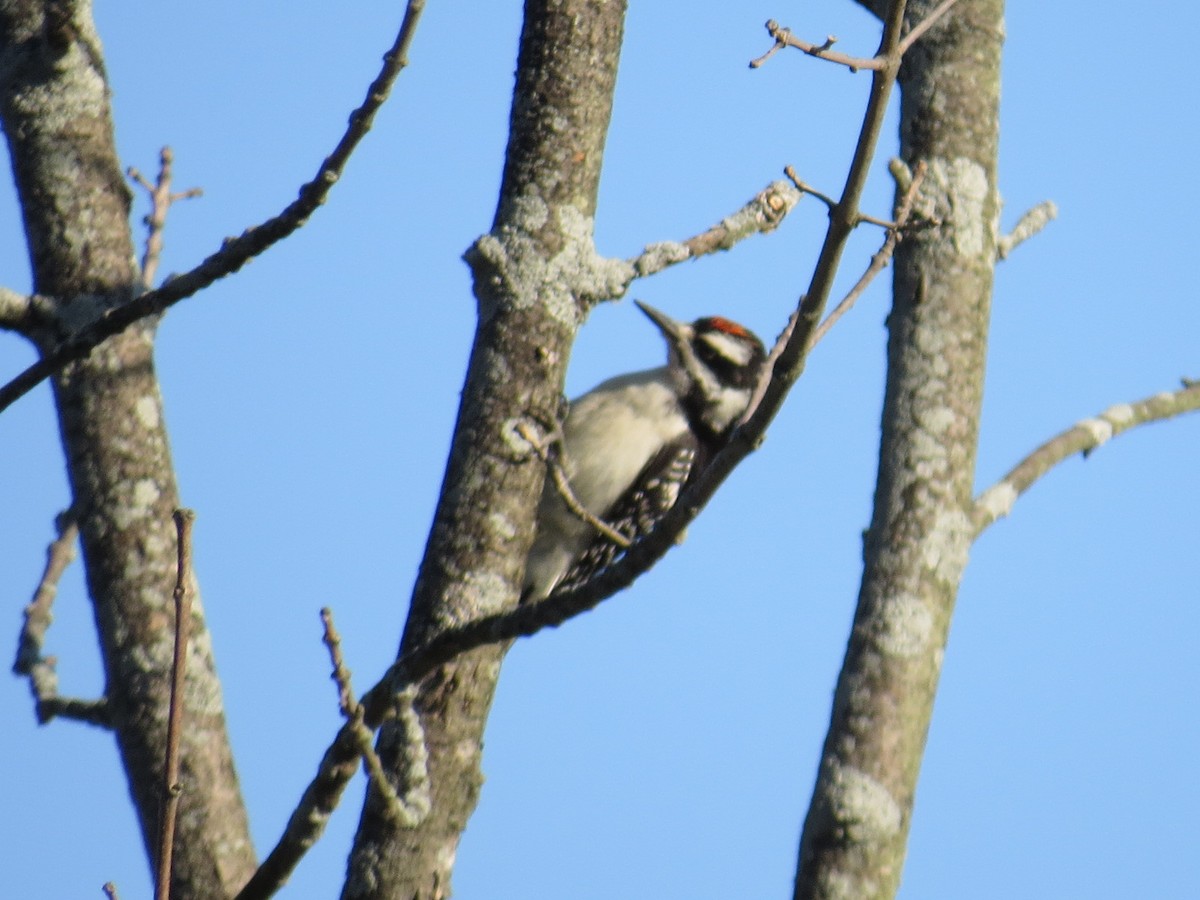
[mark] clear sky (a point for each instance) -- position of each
(665, 745)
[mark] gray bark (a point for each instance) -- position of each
(535, 275)
(856, 831)
(56, 117)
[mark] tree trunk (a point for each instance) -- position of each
(856, 831)
(75, 203)
(535, 274)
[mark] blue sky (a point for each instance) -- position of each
(665, 745)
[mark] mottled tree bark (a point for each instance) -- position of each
(856, 831)
(56, 117)
(536, 274)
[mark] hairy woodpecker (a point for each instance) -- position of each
(632, 444)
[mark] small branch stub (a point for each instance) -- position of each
(1032, 222)
(161, 200)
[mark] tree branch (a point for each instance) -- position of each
(40, 670)
(172, 787)
(784, 38)
(882, 256)
(414, 806)
(234, 252)
(760, 216)
(997, 501)
(307, 822)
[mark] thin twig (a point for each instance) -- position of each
(172, 789)
(563, 485)
(806, 188)
(996, 502)
(829, 202)
(352, 711)
(406, 813)
(340, 674)
(161, 200)
(234, 252)
(784, 38)
(914, 34)
(881, 258)
(878, 262)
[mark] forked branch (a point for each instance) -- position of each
(414, 806)
(784, 38)
(161, 201)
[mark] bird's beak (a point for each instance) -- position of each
(677, 333)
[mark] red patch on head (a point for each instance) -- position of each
(720, 323)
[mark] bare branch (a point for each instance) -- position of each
(760, 216)
(161, 200)
(1033, 221)
(39, 669)
(829, 202)
(784, 38)
(997, 501)
(881, 258)
(413, 808)
(805, 188)
(307, 822)
(340, 674)
(172, 788)
(38, 617)
(341, 760)
(914, 34)
(90, 712)
(234, 252)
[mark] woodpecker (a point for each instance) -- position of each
(631, 445)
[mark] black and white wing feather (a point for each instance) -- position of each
(639, 509)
